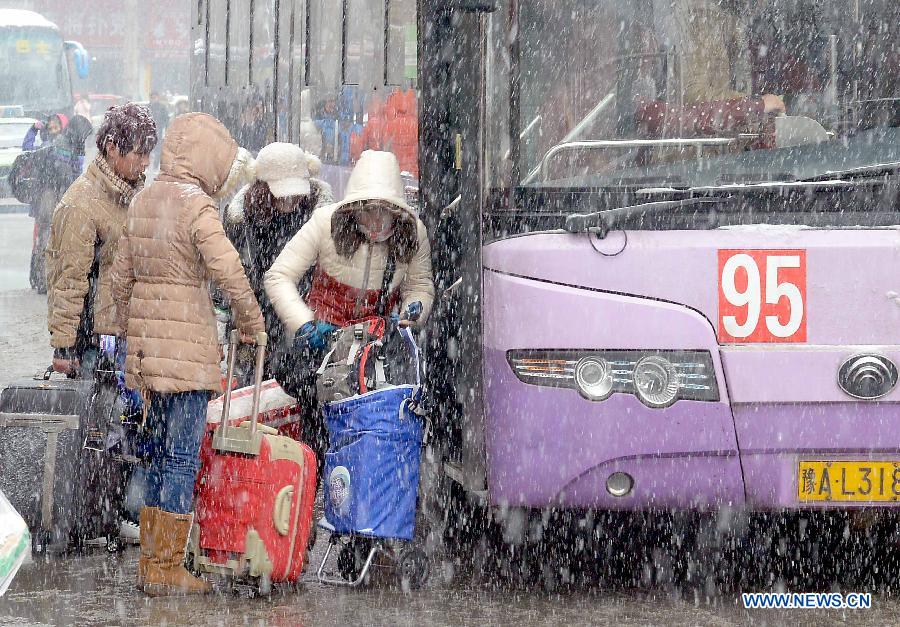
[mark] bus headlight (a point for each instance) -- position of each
(655, 381)
(657, 378)
(593, 378)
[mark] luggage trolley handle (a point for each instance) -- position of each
(243, 441)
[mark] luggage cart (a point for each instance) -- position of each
(371, 484)
(356, 557)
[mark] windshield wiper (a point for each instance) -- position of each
(602, 222)
(866, 171)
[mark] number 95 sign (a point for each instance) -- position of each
(762, 296)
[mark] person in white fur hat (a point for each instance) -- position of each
(349, 247)
(264, 216)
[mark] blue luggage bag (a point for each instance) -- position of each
(372, 466)
(371, 478)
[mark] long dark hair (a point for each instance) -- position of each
(403, 243)
(259, 203)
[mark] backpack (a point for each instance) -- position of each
(367, 356)
(27, 175)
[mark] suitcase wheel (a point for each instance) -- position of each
(414, 568)
(263, 587)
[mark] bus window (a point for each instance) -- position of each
(216, 50)
(497, 72)
(566, 50)
(284, 88)
(325, 46)
(626, 88)
(360, 45)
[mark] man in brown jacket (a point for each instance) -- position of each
(173, 244)
(84, 234)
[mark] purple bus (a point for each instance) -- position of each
(669, 252)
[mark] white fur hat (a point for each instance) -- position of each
(285, 167)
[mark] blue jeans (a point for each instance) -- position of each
(176, 423)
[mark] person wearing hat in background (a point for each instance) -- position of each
(262, 219)
(351, 245)
(59, 165)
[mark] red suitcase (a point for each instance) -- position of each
(254, 502)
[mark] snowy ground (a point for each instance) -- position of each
(24, 341)
(98, 589)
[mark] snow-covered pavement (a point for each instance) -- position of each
(24, 341)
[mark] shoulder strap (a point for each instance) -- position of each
(384, 294)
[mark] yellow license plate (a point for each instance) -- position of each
(848, 481)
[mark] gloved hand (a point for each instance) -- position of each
(314, 335)
(412, 313)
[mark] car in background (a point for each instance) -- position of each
(13, 127)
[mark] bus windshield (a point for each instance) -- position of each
(33, 70)
(686, 93)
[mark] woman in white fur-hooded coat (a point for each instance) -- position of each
(350, 247)
(266, 214)
(349, 244)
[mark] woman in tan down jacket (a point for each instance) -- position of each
(173, 245)
(349, 244)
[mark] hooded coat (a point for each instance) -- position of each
(174, 244)
(401, 131)
(372, 136)
(338, 281)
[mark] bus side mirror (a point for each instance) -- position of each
(474, 6)
(80, 58)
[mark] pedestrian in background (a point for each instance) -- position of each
(58, 165)
(46, 132)
(173, 244)
(182, 106)
(82, 106)
(253, 132)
